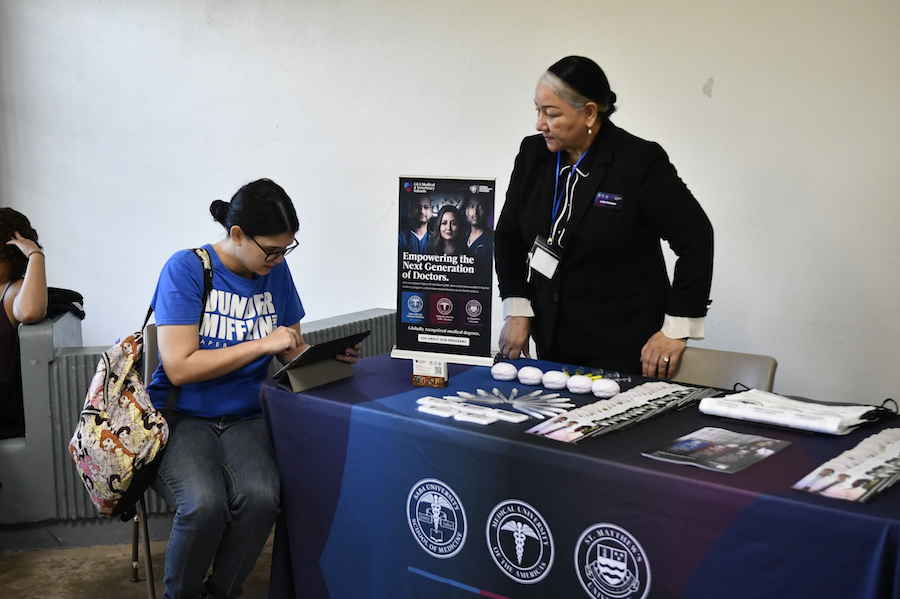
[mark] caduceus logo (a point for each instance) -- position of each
(415, 303)
(436, 518)
(444, 306)
(520, 541)
(611, 564)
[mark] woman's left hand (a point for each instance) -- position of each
(26, 246)
(350, 355)
(660, 356)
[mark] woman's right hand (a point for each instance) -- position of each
(514, 337)
(25, 245)
(282, 340)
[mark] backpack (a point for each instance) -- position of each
(120, 437)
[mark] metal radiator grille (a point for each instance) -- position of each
(381, 322)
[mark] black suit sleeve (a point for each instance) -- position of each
(675, 214)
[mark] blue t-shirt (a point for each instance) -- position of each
(238, 309)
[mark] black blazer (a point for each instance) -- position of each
(611, 289)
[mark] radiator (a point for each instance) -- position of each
(73, 368)
(381, 322)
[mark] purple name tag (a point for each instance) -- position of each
(608, 200)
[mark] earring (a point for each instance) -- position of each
(590, 131)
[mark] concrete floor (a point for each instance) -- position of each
(98, 573)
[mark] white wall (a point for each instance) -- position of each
(123, 119)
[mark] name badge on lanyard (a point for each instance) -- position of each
(543, 258)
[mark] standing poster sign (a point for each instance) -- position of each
(444, 268)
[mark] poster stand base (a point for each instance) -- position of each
(429, 369)
(409, 354)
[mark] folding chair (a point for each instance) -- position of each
(725, 369)
(139, 527)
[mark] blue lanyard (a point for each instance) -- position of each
(557, 197)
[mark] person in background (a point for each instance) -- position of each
(415, 238)
(577, 245)
(449, 239)
(480, 238)
(218, 471)
(24, 297)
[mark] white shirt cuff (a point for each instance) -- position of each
(517, 306)
(684, 327)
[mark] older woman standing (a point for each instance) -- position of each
(577, 245)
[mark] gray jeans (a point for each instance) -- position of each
(220, 476)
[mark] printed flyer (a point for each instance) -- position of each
(445, 265)
(861, 473)
(718, 449)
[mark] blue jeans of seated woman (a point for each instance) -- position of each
(220, 476)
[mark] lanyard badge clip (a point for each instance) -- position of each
(543, 258)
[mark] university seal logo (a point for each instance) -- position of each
(444, 306)
(436, 518)
(520, 541)
(611, 564)
(415, 303)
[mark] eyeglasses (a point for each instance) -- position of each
(273, 256)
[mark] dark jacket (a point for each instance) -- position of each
(611, 290)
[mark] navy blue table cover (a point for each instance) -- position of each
(351, 452)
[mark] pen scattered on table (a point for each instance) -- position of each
(466, 406)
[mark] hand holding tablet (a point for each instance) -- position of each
(322, 351)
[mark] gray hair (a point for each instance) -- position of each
(567, 92)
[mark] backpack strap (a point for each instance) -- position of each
(205, 260)
(207, 275)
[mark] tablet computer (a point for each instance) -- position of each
(322, 351)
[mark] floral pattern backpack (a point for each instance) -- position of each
(119, 432)
(120, 437)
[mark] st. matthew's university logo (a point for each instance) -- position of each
(436, 518)
(520, 541)
(611, 564)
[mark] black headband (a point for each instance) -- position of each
(584, 76)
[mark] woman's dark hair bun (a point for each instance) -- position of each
(587, 78)
(219, 211)
(259, 208)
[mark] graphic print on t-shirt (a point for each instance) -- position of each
(231, 318)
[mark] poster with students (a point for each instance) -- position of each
(445, 264)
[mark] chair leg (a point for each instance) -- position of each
(134, 550)
(148, 560)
